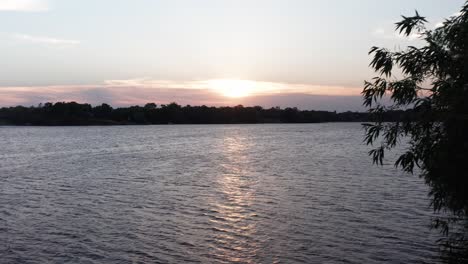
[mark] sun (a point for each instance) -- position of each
(233, 88)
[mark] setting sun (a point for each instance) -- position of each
(233, 88)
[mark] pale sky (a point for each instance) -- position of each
(306, 53)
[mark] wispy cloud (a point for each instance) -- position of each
(46, 40)
(24, 5)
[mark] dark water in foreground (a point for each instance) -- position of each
(210, 194)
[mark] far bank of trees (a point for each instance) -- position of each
(72, 113)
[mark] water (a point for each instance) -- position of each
(211, 194)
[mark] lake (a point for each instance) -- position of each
(298, 193)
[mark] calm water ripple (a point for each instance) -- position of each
(206, 194)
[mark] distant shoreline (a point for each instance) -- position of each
(187, 124)
(75, 114)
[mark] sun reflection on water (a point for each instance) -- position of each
(235, 224)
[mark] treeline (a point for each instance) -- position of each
(72, 113)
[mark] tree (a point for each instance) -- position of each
(434, 87)
(102, 111)
(150, 106)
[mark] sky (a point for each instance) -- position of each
(310, 54)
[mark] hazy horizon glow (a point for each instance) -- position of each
(218, 92)
(311, 54)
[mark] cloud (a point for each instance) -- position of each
(438, 25)
(199, 92)
(308, 101)
(456, 14)
(24, 5)
(46, 40)
(258, 87)
(441, 23)
(150, 83)
(382, 33)
(114, 95)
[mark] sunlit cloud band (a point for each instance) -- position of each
(199, 92)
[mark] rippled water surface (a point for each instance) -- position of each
(209, 194)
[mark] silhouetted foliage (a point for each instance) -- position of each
(84, 114)
(434, 85)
